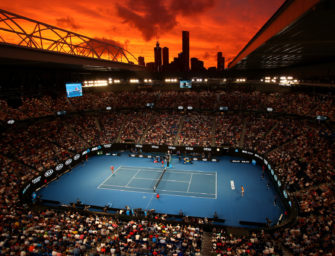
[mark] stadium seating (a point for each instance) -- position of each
(301, 149)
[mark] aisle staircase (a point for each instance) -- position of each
(118, 137)
(241, 143)
(180, 127)
(272, 128)
(18, 160)
(78, 135)
(148, 126)
(206, 244)
(97, 123)
(282, 145)
(213, 130)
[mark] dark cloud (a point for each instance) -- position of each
(148, 16)
(86, 8)
(153, 17)
(101, 47)
(126, 44)
(68, 23)
(206, 56)
(110, 41)
(193, 7)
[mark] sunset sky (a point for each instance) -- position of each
(214, 25)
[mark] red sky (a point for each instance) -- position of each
(214, 25)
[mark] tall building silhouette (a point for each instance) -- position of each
(165, 57)
(221, 62)
(197, 65)
(150, 66)
(186, 51)
(158, 57)
(141, 61)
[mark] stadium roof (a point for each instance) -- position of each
(24, 41)
(300, 33)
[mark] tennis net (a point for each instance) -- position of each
(159, 179)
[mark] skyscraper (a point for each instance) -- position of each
(165, 57)
(220, 60)
(141, 61)
(158, 58)
(186, 51)
(197, 65)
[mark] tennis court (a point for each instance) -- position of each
(198, 189)
(171, 182)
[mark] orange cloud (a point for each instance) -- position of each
(67, 22)
(214, 25)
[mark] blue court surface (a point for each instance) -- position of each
(198, 189)
(173, 182)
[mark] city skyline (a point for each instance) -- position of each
(183, 63)
(215, 26)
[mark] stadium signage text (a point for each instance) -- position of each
(138, 146)
(76, 157)
(69, 161)
(59, 167)
(48, 173)
(107, 145)
(207, 149)
(38, 179)
(154, 146)
(247, 152)
(26, 188)
(189, 148)
(241, 161)
(259, 157)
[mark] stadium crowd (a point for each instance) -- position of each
(300, 149)
(257, 243)
(302, 104)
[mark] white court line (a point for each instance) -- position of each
(127, 187)
(185, 192)
(170, 170)
(134, 167)
(149, 202)
(159, 190)
(180, 181)
(189, 183)
(127, 190)
(160, 171)
(144, 179)
(160, 193)
(192, 172)
(108, 177)
(131, 179)
(216, 185)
